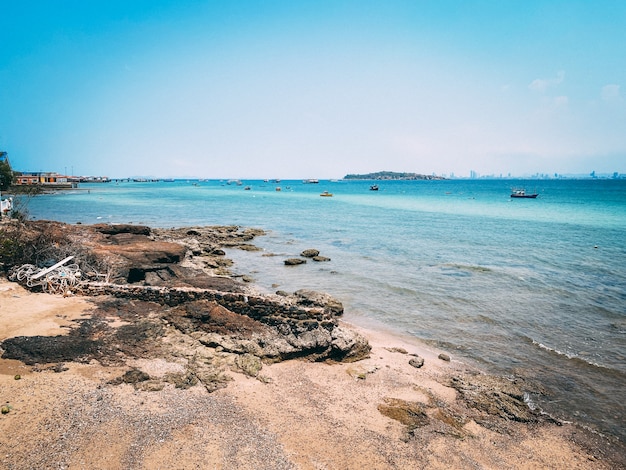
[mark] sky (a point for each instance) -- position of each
(313, 89)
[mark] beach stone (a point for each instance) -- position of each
(416, 362)
(361, 372)
(294, 261)
(444, 357)
(320, 258)
(310, 253)
(397, 350)
(132, 376)
(150, 386)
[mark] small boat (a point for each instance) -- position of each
(247, 188)
(521, 193)
(374, 187)
(326, 194)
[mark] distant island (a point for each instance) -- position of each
(391, 175)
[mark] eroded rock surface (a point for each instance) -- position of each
(176, 299)
(493, 396)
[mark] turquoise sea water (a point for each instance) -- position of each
(534, 288)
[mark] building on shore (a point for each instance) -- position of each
(45, 179)
(52, 180)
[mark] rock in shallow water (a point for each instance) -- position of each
(310, 253)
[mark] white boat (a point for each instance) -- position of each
(521, 193)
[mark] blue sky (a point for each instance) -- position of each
(299, 89)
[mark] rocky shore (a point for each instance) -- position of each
(159, 356)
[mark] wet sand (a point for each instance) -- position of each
(294, 415)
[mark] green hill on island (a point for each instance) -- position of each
(391, 175)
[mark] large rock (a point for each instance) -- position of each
(139, 251)
(277, 344)
(348, 345)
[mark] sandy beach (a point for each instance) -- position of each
(294, 415)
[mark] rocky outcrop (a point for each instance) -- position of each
(168, 268)
(178, 257)
(320, 299)
(117, 229)
(493, 396)
(274, 345)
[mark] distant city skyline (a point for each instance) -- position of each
(472, 175)
(319, 89)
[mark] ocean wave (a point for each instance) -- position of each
(570, 356)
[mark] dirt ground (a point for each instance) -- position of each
(378, 413)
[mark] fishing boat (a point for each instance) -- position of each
(521, 193)
(374, 187)
(326, 194)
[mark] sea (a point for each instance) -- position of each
(529, 288)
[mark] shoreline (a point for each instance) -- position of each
(378, 412)
(301, 415)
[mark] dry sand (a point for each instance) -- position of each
(300, 415)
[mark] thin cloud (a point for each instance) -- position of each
(611, 93)
(561, 101)
(542, 84)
